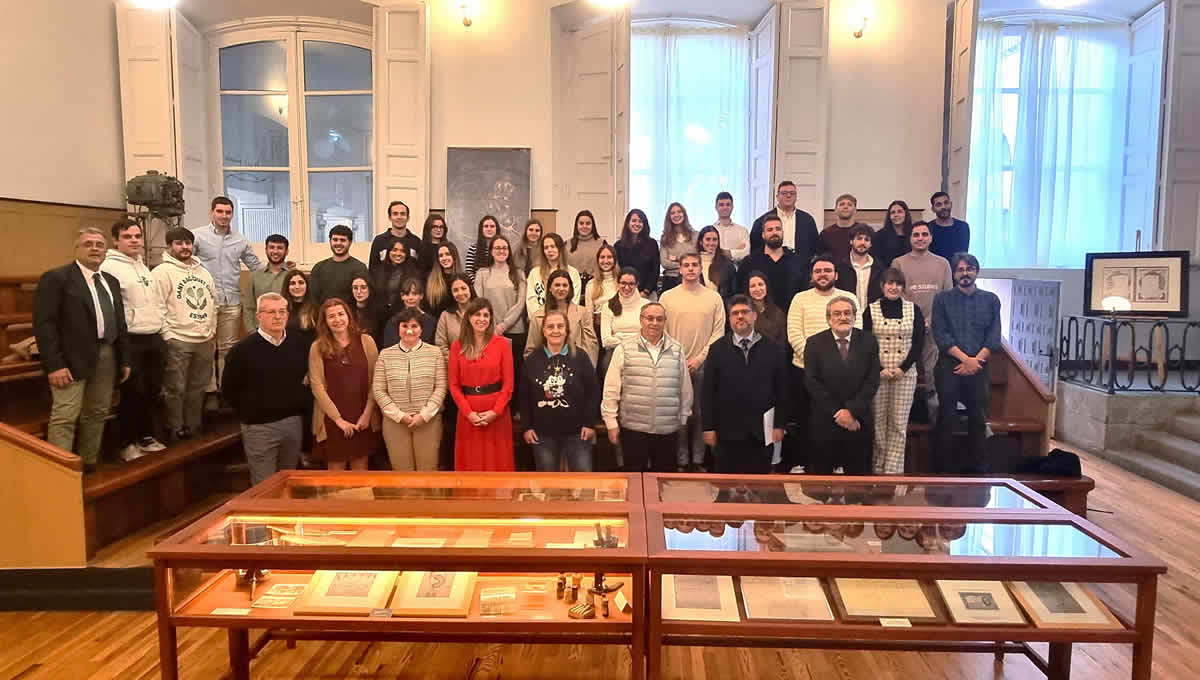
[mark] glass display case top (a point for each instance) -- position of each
(955, 539)
(417, 532)
(771, 491)
(516, 487)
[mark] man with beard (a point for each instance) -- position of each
(780, 265)
(266, 280)
(925, 275)
(806, 317)
(859, 273)
(966, 327)
(950, 236)
(799, 228)
(842, 377)
(836, 237)
(398, 231)
(332, 276)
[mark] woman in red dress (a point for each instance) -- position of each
(481, 382)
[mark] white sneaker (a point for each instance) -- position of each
(797, 470)
(839, 470)
(132, 452)
(151, 445)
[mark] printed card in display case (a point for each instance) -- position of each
(870, 599)
(1051, 604)
(785, 598)
(980, 603)
(699, 597)
(435, 593)
(346, 593)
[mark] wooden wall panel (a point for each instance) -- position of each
(39, 236)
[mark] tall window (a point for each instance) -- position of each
(689, 120)
(296, 138)
(1047, 143)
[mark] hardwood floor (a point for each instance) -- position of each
(102, 645)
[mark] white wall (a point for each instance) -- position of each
(885, 129)
(491, 86)
(62, 113)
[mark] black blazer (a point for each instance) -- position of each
(805, 240)
(848, 280)
(834, 384)
(735, 396)
(64, 321)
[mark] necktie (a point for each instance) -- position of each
(106, 309)
(745, 343)
(843, 347)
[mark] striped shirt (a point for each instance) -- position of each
(410, 381)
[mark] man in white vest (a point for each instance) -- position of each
(647, 395)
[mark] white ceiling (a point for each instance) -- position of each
(1126, 10)
(743, 12)
(205, 13)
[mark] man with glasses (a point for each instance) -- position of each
(647, 394)
(745, 378)
(966, 327)
(800, 232)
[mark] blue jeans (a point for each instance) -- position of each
(546, 453)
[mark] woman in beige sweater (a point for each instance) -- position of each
(410, 386)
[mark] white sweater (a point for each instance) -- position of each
(143, 312)
(615, 329)
(535, 290)
(806, 317)
(188, 298)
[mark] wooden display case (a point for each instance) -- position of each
(380, 532)
(906, 533)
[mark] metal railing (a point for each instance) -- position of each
(1129, 355)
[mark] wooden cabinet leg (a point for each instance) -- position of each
(1059, 663)
(637, 649)
(1143, 649)
(654, 628)
(168, 653)
(239, 653)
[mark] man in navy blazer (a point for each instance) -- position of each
(841, 372)
(79, 322)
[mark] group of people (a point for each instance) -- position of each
(745, 350)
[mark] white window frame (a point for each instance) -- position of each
(292, 31)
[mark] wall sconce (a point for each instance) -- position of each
(858, 33)
(465, 6)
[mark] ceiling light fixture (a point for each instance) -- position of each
(858, 32)
(467, 13)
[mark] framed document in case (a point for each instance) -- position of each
(699, 597)
(346, 593)
(1051, 604)
(980, 603)
(435, 593)
(785, 598)
(871, 599)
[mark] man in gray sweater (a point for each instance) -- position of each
(926, 275)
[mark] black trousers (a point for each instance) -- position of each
(743, 457)
(848, 450)
(641, 448)
(796, 444)
(972, 391)
(140, 393)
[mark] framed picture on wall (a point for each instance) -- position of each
(1136, 284)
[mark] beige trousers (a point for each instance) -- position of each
(413, 449)
(229, 329)
(80, 409)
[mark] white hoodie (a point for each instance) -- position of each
(143, 312)
(188, 299)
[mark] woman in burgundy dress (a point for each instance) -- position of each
(341, 364)
(481, 382)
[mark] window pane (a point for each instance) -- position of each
(339, 130)
(262, 203)
(332, 66)
(339, 198)
(254, 66)
(254, 130)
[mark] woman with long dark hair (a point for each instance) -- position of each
(341, 364)
(584, 244)
(561, 399)
(525, 254)
(437, 284)
(388, 276)
(302, 309)
(432, 235)
(450, 321)
(504, 285)
(553, 258)
(368, 314)
(561, 296)
(715, 266)
(638, 250)
(772, 322)
(477, 253)
(678, 239)
(892, 239)
(481, 383)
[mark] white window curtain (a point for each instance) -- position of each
(1047, 143)
(689, 136)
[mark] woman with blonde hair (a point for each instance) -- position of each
(560, 399)
(481, 383)
(340, 367)
(437, 285)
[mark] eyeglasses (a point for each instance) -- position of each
(654, 319)
(787, 193)
(627, 284)
(848, 314)
(274, 312)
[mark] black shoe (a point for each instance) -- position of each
(183, 434)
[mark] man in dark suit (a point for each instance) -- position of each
(800, 232)
(745, 375)
(79, 321)
(841, 372)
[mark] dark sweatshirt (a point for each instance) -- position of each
(559, 394)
